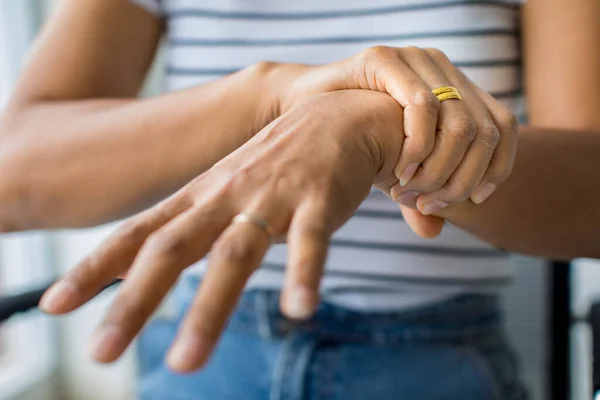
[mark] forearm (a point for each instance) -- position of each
(549, 205)
(70, 164)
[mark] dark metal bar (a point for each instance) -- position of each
(26, 301)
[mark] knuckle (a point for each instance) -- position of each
(434, 181)
(264, 67)
(86, 274)
(317, 230)
(133, 231)
(459, 191)
(462, 128)
(90, 265)
(236, 180)
(508, 120)
(412, 50)
(421, 150)
(378, 52)
(491, 135)
(500, 172)
(243, 174)
(438, 55)
(426, 99)
(234, 251)
(134, 308)
(167, 247)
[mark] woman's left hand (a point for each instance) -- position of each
(305, 174)
(453, 150)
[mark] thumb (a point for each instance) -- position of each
(426, 226)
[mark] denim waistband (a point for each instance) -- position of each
(461, 318)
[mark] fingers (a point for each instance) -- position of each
(383, 66)
(409, 75)
(110, 260)
(308, 240)
(503, 159)
(426, 226)
(455, 129)
(471, 170)
(456, 132)
(438, 164)
(467, 179)
(186, 239)
(234, 257)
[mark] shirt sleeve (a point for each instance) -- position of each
(154, 7)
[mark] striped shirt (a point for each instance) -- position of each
(375, 260)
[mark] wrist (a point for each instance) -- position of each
(373, 118)
(383, 117)
(270, 84)
(282, 85)
(250, 91)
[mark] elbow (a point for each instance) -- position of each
(18, 210)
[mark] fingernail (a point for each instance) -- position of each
(188, 353)
(298, 304)
(107, 344)
(407, 197)
(434, 207)
(483, 192)
(408, 173)
(60, 297)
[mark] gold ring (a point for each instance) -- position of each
(247, 218)
(444, 93)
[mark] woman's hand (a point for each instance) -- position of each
(453, 150)
(306, 173)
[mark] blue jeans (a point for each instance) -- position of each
(452, 350)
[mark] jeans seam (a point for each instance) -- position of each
(263, 319)
(305, 351)
(280, 370)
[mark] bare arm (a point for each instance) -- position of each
(77, 147)
(549, 205)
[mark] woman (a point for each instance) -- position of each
(405, 308)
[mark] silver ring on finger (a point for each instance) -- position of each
(253, 219)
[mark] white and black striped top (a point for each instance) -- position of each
(375, 260)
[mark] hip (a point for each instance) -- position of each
(451, 350)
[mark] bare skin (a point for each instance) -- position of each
(104, 166)
(306, 173)
(93, 153)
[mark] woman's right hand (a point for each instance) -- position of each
(301, 177)
(454, 150)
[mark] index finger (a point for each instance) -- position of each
(180, 243)
(114, 256)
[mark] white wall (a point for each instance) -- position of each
(77, 377)
(29, 356)
(82, 379)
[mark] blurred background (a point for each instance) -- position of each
(44, 358)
